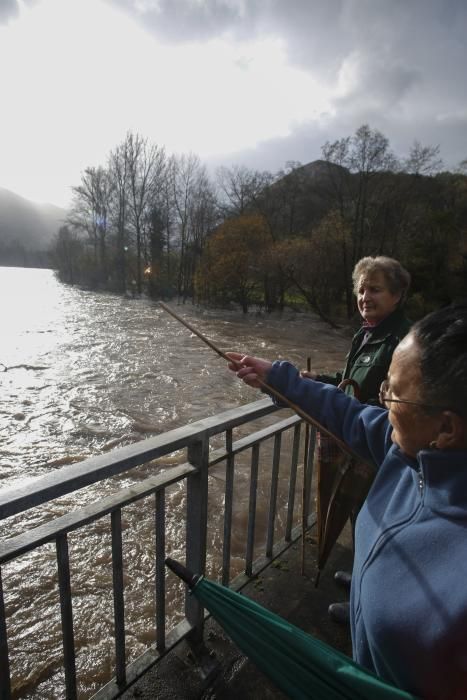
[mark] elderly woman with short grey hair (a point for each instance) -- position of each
(380, 286)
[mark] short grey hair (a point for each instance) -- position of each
(397, 278)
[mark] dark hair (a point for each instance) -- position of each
(397, 278)
(442, 339)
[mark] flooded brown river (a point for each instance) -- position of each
(85, 373)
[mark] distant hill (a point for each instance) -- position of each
(26, 229)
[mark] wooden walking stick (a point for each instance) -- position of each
(267, 388)
(304, 494)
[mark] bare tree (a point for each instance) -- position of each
(119, 174)
(240, 188)
(356, 190)
(146, 171)
(90, 212)
(423, 160)
(189, 186)
(204, 217)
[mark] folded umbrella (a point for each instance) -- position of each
(343, 482)
(300, 665)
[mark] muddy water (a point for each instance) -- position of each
(89, 372)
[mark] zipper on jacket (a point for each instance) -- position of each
(383, 538)
(393, 529)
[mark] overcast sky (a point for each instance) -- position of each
(253, 82)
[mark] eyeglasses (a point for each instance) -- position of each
(384, 390)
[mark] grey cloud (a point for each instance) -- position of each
(319, 35)
(191, 20)
(310, 28)
(409, 63)
(380, 83)
(304, 144)
(8, 9)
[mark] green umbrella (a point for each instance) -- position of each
(300, 665)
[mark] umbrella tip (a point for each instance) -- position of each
(182, 572)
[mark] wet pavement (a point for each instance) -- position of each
(228, 674)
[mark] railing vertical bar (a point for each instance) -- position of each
(250, 542)
(5, 681)
(292, 482)
(160, 570)
(229, 483)
(66, 610)
(119, 604)
(309, 468)
(196, 528)
(273, 494)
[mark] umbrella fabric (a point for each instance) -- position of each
(300, 665)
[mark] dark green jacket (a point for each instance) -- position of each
(368, 364)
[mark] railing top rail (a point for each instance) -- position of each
(24, 542)
(62, 481)
(245, 443)
(40, 535)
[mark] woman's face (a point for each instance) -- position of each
(374, 299)
(413, 428)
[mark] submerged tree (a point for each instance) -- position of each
(119, 174)
(194, 215)
(315, 265)
(146, 172)
(233, 265)
(90, 213)
(67, 255)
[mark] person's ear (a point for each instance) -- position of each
(452, 433)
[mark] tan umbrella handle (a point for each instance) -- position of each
(350, 382)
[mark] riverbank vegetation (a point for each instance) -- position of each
(147, 222)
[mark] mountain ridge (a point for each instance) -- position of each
(28, 223)
(27, 230)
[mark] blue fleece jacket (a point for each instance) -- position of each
(409, 582)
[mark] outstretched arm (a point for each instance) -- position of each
(365, 430)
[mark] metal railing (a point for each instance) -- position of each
(195, 439)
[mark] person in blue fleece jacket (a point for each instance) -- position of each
(409, 581)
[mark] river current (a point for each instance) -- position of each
(82, 373)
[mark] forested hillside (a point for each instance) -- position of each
(147, 222)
